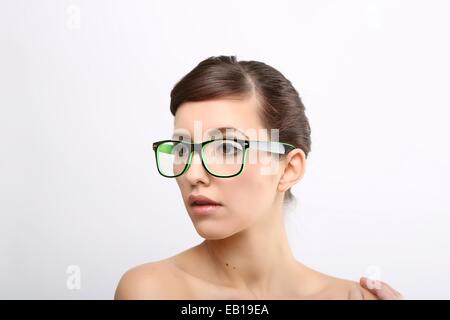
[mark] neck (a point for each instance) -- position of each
(255, 258)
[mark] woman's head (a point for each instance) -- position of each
(258, 101)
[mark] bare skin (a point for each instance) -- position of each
(245, 254)
(189, 275)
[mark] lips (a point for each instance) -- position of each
(202, 206)
(200, 200)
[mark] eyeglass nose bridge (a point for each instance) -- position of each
(196, 148)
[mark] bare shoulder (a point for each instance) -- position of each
(342, 289)
(154, 280)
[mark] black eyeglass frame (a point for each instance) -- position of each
(199, 147)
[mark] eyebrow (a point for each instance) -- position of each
(223, 130)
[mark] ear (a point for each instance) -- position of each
(294, 169)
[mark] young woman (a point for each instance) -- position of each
(240, 142)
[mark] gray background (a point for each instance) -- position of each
(84, 91)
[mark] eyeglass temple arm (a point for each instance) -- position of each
(271, 146)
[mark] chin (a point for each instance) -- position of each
(209, 232)
(211, 235)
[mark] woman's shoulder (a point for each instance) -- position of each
(323, 286)
(153, 280)
(163, 279)
(343, 289)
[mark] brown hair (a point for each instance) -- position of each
(225, 77)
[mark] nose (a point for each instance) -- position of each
(196, 172)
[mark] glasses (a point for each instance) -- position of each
(224, 158)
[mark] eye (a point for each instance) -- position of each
(180, 150)
(229, 148)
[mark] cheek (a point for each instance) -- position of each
(252, 191)
(184, 188)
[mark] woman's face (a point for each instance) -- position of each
(247, 198)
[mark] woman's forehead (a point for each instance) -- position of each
(218, 117)
(220, 132)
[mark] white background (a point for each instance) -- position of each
(84, 91)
